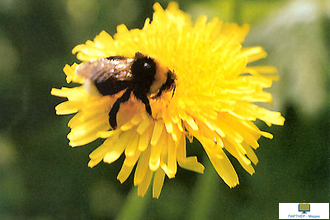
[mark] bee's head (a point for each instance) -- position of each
(144, 69)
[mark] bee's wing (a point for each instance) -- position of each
(102, 69)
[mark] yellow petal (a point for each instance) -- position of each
(155, 153)
(172, 157)
(157, 132)
(223, 167)
(114, 150)
(144, 140)
(158, 183)
(189, 163)
(143, 126)
(68, 107)
(144, 185)
(142, 167)
(132, 145)
(254, 53)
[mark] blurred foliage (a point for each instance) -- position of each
(41, 177)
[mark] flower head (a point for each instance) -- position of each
(213, 100)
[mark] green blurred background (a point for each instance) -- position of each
(42, 178)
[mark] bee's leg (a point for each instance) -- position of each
(115, 108)
(169, 84)
(158, 94)
(144, 99)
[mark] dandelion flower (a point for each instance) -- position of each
(214, 100)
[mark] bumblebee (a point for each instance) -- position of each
(140, 75)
